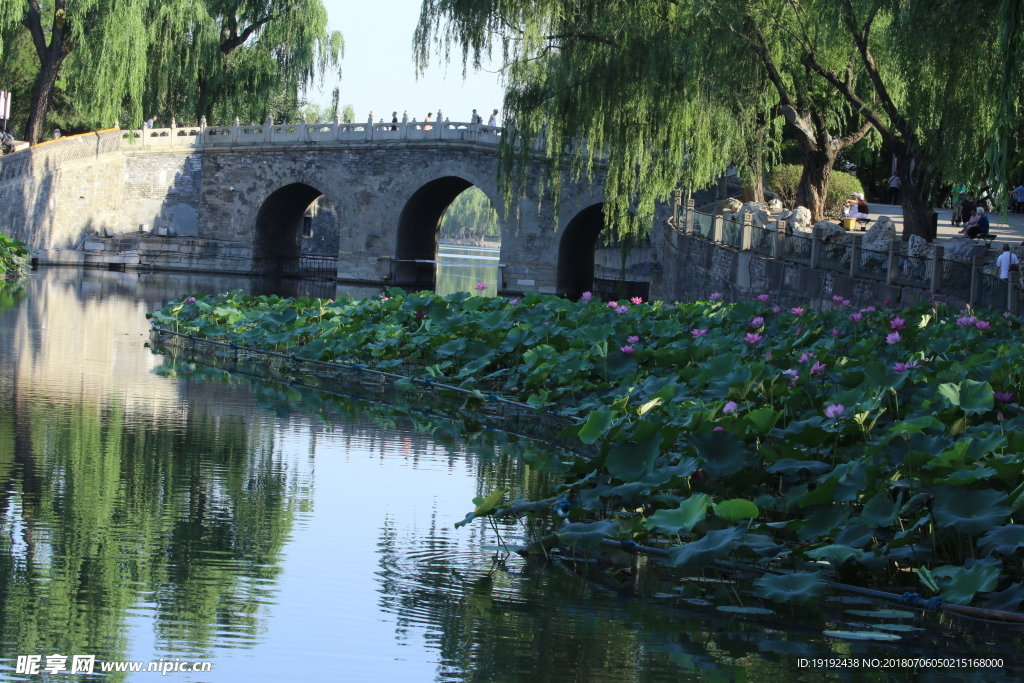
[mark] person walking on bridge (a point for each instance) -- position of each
(493, 121)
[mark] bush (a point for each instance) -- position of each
(784, 181)
(13, 255)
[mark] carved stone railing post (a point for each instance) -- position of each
(717, 229)
(677, 199)
(404, 135)
(174, 132)
(894, 262)
(202, 131)
(336, 126)
(369, 127)
(440, 124)
(268, 129)
(747, 234)
(855, 244)
(234, 130)
(975, 275)
(816, 242)
(303, 130)
(780, 239)
(688, 221)
(937, 254)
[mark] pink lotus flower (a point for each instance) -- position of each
(627, 349)
(800, 329)
(982, 325)
(586, 296)
(752, 338)
(768, 355)
(776, 310)
(190, 300)
(1004, 396)
(613, 304)
(636, 301)
(421, 313)
(856, 317)
(729, 407)
(846, 302)
(513, 302)
(837, 298)
(999, 416)
(893, 338)
(836, 332)
(904, 367)
(966, 320)
(898, 323)
(793, 376)
(632, 339)
(835, 411)
(818, 368)
(869, 309)
(622, 309)
(716, 429)
(716, 296)
(798, 310)
(888, 301)
(763, 298)
(698, 333)
(480, 286)
(756, 322)
(1006, 314)
(805, 356)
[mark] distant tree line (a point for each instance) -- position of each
(471, 216)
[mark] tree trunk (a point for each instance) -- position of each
(814, 181)
(42, 95)
(753, 183)
(917, 210)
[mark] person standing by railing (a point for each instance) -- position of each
(476, 118)
(1006, 262)
(493, 121)
(394, 120)
(428, 121)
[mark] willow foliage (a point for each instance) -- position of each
(612, 83)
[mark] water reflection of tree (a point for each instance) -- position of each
(106, 511)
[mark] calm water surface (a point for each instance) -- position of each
(461, 268)
(146, 515)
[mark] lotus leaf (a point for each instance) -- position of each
(789, 466)
(882, 613)
(822, 523)
(969, 511)
(690, 511)
(596, 425)
(882, 510)
(966, 583)
(1006, 600)
(631, 461)
(736, 509)
(837, 554)
(723, 454)
(586, 535)
(715, 545)
(791, 586)
(1005, 540)
(970, 396)
(485, 506)
(862, 635)
(744, 610)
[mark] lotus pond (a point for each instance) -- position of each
(154, 506)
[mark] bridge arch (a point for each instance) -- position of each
(284, 218)
(576, 247)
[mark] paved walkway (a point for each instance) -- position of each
(1011, 233)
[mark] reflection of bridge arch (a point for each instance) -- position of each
(283, 218)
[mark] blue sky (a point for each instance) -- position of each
(378, 73)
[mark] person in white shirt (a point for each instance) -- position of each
(894, 189)
(1005, 260)
(493, 121)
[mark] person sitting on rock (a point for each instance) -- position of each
(980, 226)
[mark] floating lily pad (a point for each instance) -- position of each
(900, 628)
(699, 601)
(862, 635)
(744, 610)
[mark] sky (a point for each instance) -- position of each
(378, 73)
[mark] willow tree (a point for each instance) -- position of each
(246, 58)
(611, 83)
(932, 72)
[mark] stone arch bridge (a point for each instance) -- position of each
(234, 199)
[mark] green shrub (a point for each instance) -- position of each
(784, 181)
(13, 255)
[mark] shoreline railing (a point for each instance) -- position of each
(936, 274)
